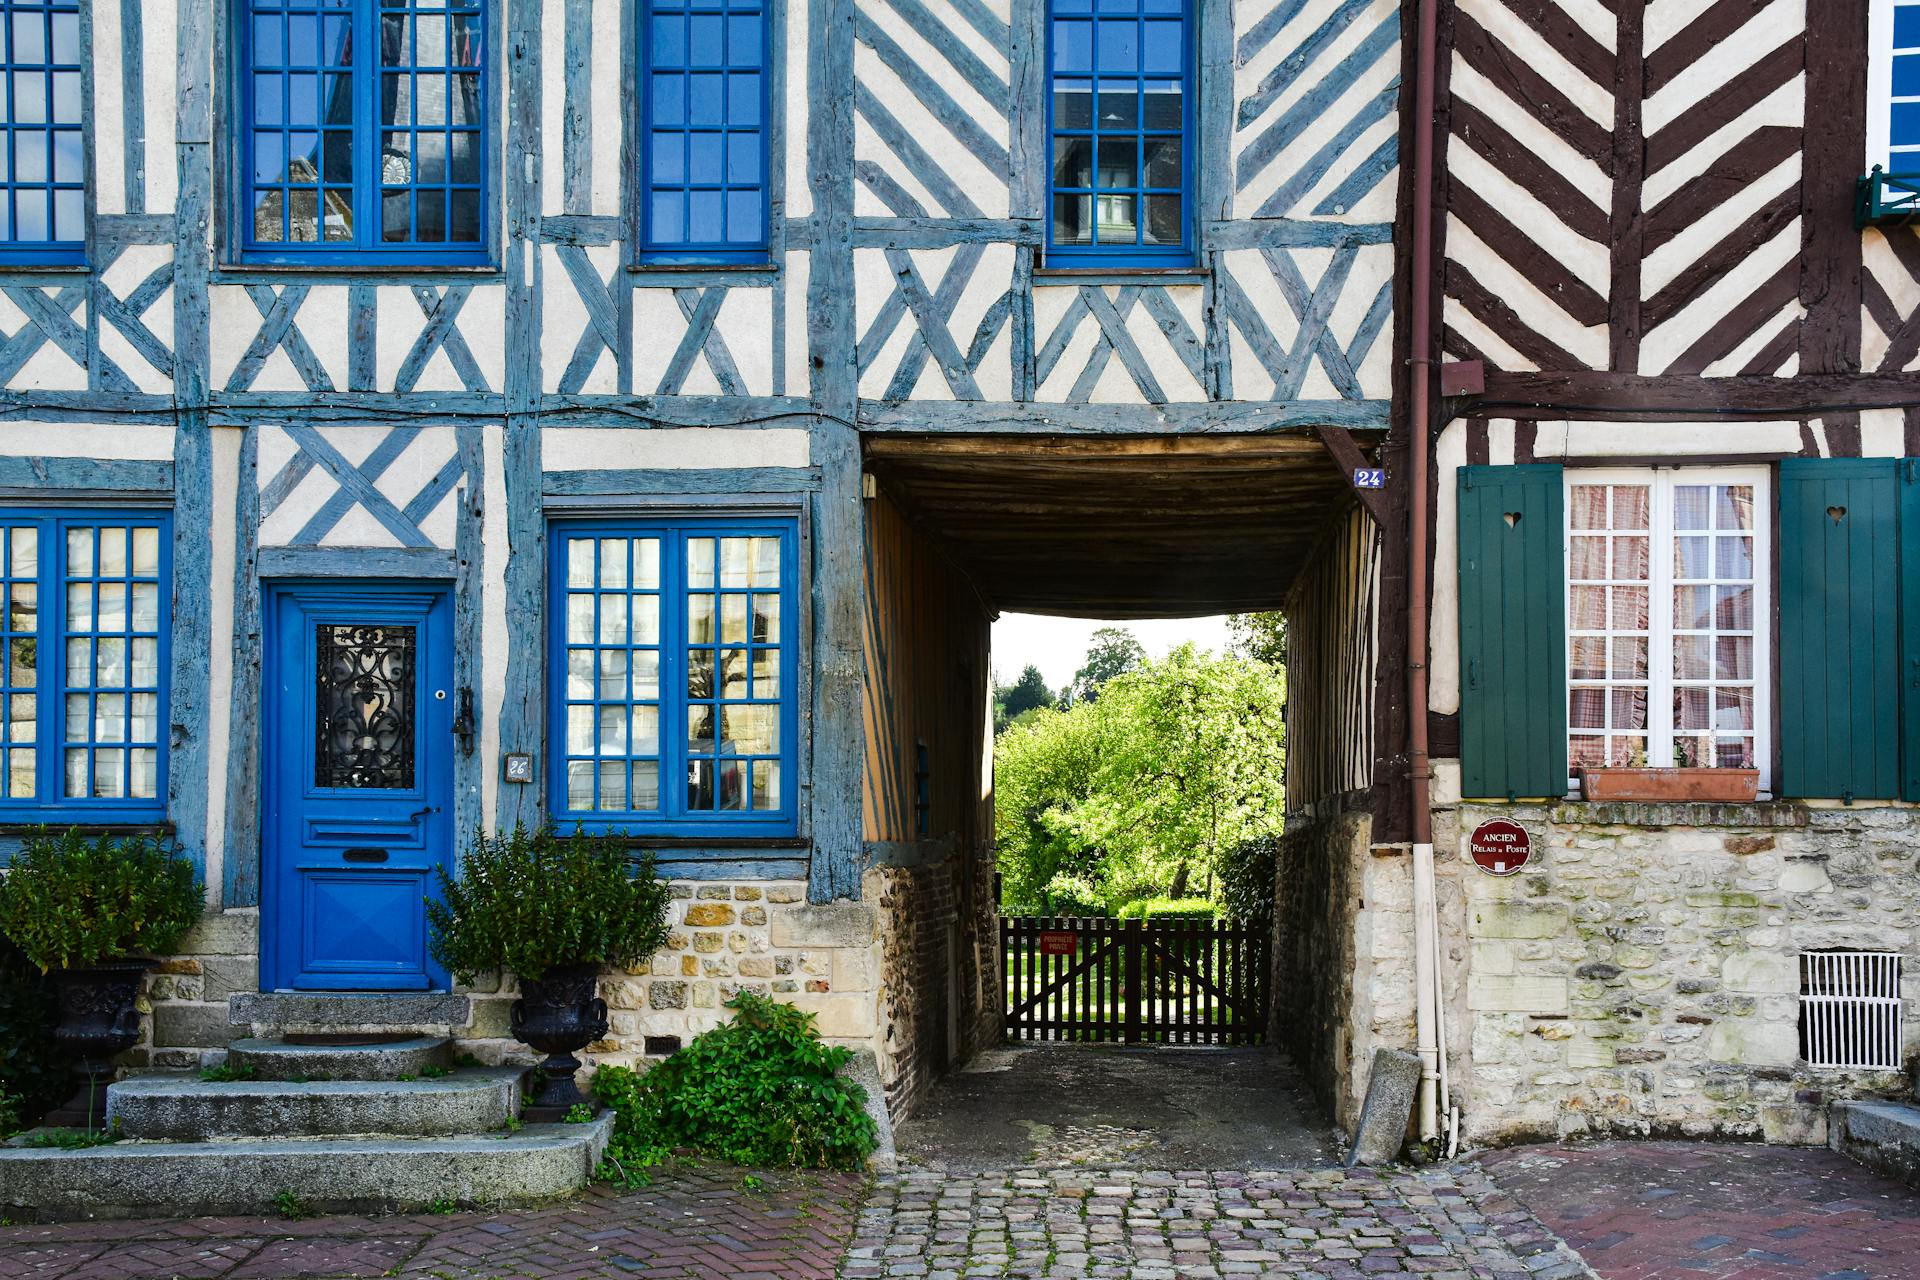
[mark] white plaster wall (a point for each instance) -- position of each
(482, 325)
(671, 448)
(494, 652)
(563, 318)
(109, 121)
(225, 443)
(148, 442)
(129, 270)
(991, 277)
(799, 196)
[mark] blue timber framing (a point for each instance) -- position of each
(500, 406)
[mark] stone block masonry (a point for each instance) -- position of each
(725, 938)
(1642, 976)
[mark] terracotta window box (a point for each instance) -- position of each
(1720, 786)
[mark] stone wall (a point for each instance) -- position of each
(940, 1001)
(761, 936)
(1641, 975)
(1343, 948)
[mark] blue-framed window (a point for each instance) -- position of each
(673, 704)
(83, 726)
(43, 215)
(703, 130)
(364, 131)
(1119, 113)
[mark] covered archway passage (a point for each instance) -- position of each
(1132, 527)
(962, 528)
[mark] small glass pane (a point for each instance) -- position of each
(580, 784)
(1690, 709)
(1629, 608)
(646, 786)
(733, 619)
(1733, 608)
(1693, 507)
(112, 613)
(1693, 558)
(1630, 560)
(1587, 559)
(1587, 608)
(613, 675)
(700, 563)
(613, 784)
(1629, 708)
(646, 674)
(646, 731)
(613, 562)
(80, 553)
(700, 730)
(1587, 507)
(700, 619)
(146, 606)
(580, 673)
(143, 724)
(1691, 657)
(79, 606)
(580, 562)
(1733, 658)
(613, 731)
(699, 673)
(1629, 658)
(1733, 558)
(1734, 507)
(766, 784)
(766, 674)
(1589, 658)
(766, 619)
(21, 774)
(733, 673)
(109, 774)
(579, 730)
(646, 620)
(613, 619)
(1693, 608)
(580, 619)
(146, 552)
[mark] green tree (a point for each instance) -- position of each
(1114, 652)
(1143, 791)
(1262, 636)
(1011, 701)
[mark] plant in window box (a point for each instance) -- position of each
(91, 912)
(554, 909)
(1694, 778)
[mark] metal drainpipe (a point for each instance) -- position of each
(1425, 924)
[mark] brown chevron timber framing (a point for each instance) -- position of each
(1832, 277)
(1627, 227)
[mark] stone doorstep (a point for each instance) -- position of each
(1884, 1136)
(173, 1179)
(279, 1060)
(185, 1108)
(268, 1013)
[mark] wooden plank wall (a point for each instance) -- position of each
(926, 681)
(1333, 641)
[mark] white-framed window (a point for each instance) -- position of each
(1893, 86)
(1667, 609)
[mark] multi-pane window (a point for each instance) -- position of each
(42, 172)
(673, 703)
(1664, 586)
(1893, 98)
(364, 129)
(1119, 103)
(703, 129)
(85, 683)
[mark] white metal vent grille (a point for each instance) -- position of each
(1850, 1014)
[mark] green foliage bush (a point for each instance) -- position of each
(1247, 872)
(68, 902)
(763, 1090)
(1170, 909)
(531, 900)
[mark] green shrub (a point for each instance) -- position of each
(531, 900)
(68, 902)
(762, 1090)
(1247, 881)
(1170, 909)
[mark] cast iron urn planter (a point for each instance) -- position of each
(99, 1018)
(558, 1014)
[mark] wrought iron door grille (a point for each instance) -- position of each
(1850, 1010)
(363, 706)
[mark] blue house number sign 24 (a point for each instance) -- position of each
(1369, 478)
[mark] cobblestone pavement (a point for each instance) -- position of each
(692, 1224)
(1638, 1210)
(1449, 1224)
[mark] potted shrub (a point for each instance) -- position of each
(555, 910)
(93, 913)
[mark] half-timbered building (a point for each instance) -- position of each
(419, 418)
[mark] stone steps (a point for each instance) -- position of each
(363, 1058)
(178, 1179)
(185, 1108)
(1884, 1136)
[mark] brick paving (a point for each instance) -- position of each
(1445, 1224)
(693, 1223)
(1700, 1211)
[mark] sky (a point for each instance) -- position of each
(1059, 645)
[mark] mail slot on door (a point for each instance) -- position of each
(364, 855)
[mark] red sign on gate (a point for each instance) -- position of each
(1059, 943)
(1500, 847)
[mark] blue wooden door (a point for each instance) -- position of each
(357, 783)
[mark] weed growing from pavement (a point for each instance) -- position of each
(443, 1205)
(291, 1207)
(226, 1073)
(578, 1113)
(73, 1139)
(434, 1073)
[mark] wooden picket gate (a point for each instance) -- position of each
(1159, 982)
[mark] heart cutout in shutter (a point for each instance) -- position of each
(1836, 514)
(1512, 518)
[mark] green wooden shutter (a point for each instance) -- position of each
(1513, 632)
(1839, 628)
(1908, 675)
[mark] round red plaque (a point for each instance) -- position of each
(1500, 847)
